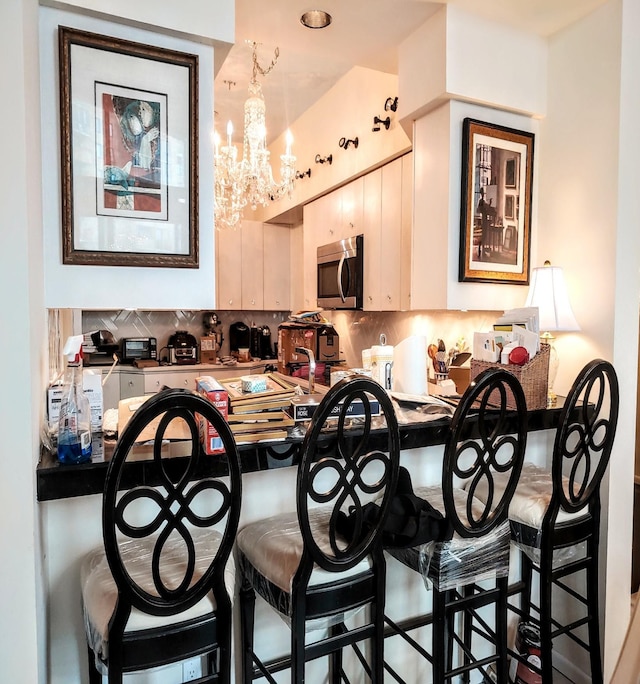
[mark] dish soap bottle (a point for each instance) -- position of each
(74, 423)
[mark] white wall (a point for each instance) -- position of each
(109, 287)
(22, 618)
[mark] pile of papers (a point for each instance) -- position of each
(515, 328)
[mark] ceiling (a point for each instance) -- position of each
(363, 33)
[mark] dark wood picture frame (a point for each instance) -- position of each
(129, 152)
(497, 179)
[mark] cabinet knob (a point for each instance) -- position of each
(231, 301)
(370, 298)
(277, 302)
(389, 297)
(186, 382)
(253, 301)
(130, 383)
(157, 383)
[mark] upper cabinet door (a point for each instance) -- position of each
(229, 268)
(391, 236)
(277, 272)
(351, 209)
(252, 266)
(372, 217)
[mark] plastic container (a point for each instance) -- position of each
(74, 422)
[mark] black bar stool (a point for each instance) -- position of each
(555, 521)
(469, 572)
(155, 593)
(302, 564)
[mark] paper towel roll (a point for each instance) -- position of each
(410, 365)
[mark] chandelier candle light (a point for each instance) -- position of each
(549, 293)
(250, 181)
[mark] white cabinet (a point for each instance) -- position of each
(252, 264)
(277, 277)
(229, 268)
(378, 206)
(332, 217)
(252, 268)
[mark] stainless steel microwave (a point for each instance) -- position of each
(341, 274)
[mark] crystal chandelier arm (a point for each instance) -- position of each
(257, 69)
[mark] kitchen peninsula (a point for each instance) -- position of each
(70, 499)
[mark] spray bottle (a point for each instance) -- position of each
(74, 424)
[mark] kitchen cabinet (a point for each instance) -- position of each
(136, 382)
(276, 276)
(332, 217)
(377, 205)
(252, 265)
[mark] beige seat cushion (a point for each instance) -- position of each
(531, 498)
(99, 591)
(274, 546)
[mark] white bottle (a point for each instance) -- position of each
(74, 423)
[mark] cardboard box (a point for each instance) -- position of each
(219, 397)
(92, 386)
(303, 407)
(207, 353)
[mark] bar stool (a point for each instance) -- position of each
(555, 520)
(470, 571)
(155, 592)
(301, 565)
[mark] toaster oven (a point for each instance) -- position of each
(135, 348)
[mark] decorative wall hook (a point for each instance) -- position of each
(302, 174)
(321, 160)
(377, 121)
(345, 142)
(391, 104)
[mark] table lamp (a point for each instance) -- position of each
(549, 293)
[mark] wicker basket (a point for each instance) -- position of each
(533, 376)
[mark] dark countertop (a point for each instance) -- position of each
(55, 481)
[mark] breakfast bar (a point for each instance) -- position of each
(70, 500)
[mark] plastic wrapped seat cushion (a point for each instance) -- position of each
(99, 591)
(273, 547)
(459, 561)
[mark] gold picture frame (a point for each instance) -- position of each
(495, 222)
(129, 132)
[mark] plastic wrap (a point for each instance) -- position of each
(99, 591)
(527, 510)
(410, 410)
(460, 561)
(269, 553)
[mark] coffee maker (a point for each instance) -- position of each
(211, 343)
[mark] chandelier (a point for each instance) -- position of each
(249, 182)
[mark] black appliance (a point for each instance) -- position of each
(98, 348)
(266, 350)
(135, 348)
(254, 344)
(183, 348)
(341, 274)
(239, 336)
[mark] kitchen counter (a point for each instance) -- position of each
(55, 481)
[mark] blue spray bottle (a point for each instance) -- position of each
(74, 423)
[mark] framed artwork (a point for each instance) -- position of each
(495, 221)
(129, 131)
(509, 206)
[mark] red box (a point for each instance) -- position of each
(218, 396)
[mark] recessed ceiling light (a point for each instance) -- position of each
(315, 19)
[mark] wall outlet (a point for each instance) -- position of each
(191, 669)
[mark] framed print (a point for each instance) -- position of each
(495, 221)
(129, 131)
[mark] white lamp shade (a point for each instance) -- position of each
(549, 293)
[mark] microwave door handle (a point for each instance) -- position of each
(340, 267)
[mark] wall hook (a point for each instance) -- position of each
(321, 160)
(391, 104)
(345, 142)
(377, 121)
(302, 174)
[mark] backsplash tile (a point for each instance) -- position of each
(357, 329)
